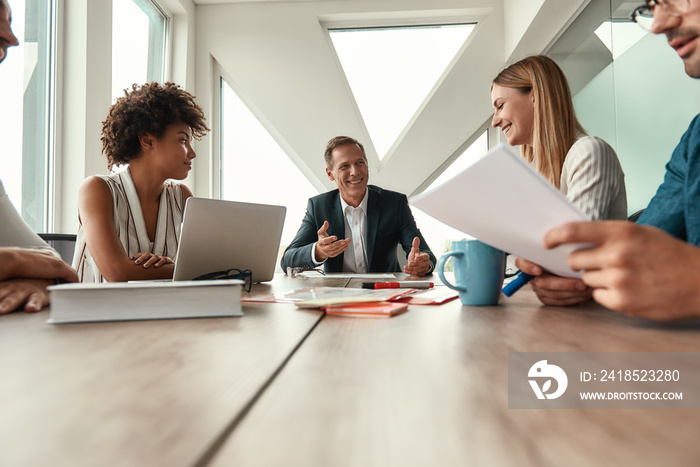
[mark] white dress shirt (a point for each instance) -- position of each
(355, 255)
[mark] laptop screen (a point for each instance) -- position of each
(218, 235)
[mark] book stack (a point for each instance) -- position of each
(364, 303)
(370, 303)
(367, 309)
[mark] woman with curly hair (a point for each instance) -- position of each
(130, 220)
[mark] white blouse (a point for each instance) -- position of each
(130, 225)
(592, 179)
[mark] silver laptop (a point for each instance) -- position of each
(218, 235)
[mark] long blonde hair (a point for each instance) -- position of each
(555, 126)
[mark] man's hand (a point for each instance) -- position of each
(327, 247)
(554, 290)
(418, 262)
(635, 269)
(28, 293)
(27, 263)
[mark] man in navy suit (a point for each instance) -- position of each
(357, 227)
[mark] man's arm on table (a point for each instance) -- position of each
(638, 270)
(24, 276)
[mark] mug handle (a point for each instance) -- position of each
(507, 275)
(440, 266)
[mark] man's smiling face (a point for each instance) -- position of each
(683, 34)
(350, 172)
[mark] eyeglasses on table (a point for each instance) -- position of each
(294, 272)
(246, 275)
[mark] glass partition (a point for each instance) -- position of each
(630, 88)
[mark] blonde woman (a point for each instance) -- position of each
(533, 106)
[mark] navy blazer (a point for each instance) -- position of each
(389, 223)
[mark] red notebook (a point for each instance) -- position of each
(368, 310)
(435, 296)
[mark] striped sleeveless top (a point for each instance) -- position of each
(130, 225)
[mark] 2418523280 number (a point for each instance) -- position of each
(640, 375)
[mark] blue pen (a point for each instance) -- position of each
(515, 284)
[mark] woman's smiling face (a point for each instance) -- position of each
(514, 114)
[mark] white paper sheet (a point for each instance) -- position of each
(502, 201)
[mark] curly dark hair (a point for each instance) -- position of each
(149, 108)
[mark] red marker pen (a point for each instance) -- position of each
(398, 285)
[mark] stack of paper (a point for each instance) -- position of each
(317, 297)
(435, 296)
(504, 202)
(341, 301)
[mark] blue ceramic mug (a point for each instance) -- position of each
(478, 270)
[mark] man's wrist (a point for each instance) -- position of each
(13, 263)
(313, 256)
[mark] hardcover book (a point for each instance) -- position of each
(125, 301)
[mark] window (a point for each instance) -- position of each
(437, 235)
(625, 33)
(255, 169)
(139, 31)
(392, 70)
(26, 120)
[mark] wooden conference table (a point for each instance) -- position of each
(283, 387)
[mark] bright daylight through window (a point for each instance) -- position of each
(392, 70)
(255, 169)
(439, 236)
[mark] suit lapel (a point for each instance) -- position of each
(373, 204)
(337, 222)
